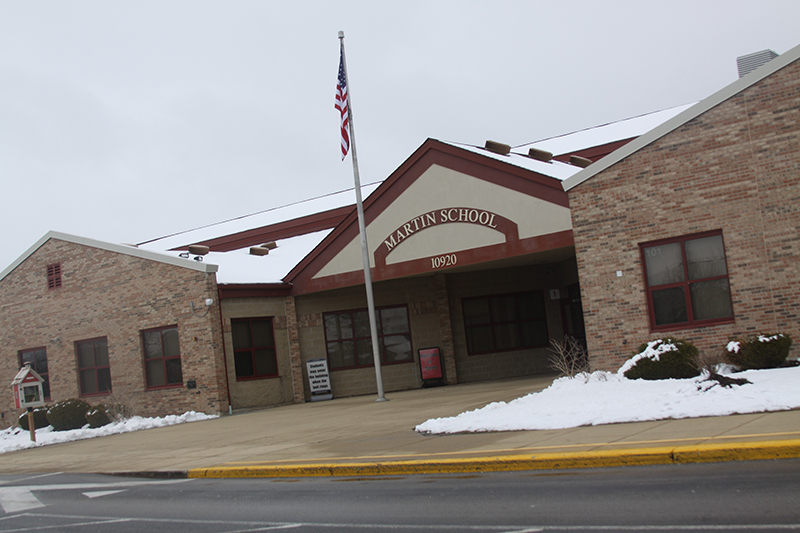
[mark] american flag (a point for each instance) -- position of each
(341, 105)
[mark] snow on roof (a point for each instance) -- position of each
(576, 141)
(554, 169)
(686, 115)
(239, 266)
(603, 134)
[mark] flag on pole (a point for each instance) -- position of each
(341, 105)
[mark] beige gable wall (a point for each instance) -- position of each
(439, 188)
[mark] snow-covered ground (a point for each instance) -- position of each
(607, 398)
(13, 439)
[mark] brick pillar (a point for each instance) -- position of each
(294, 350)
(445, 329)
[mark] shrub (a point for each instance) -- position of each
(663, 359)
(759, 351)
(69, 414)
(39, 418)
(568, 357)
(98, 416)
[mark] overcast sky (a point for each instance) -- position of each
(126, 121)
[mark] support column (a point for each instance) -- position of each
(445, 329)
(293, 333)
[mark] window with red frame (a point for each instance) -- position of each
(54, 276)
(687, 281)
(94, 371)
(37, 357)
(254, 348)
(162, 357)
(505, 322)
(349, 341)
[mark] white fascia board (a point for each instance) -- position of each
(674, 123)
(117, 248)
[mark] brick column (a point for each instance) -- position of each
(294, 350)
(445, 329)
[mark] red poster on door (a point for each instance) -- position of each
(430, 363)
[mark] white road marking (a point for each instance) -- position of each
(99, 493)
(16, 499)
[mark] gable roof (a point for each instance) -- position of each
(116, 248)
(468, 161)
(682, 118)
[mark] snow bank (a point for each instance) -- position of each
(606, 398)
(13, 439)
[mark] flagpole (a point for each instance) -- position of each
(376, 354)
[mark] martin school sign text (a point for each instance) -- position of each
(449, 215)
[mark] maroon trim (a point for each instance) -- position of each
(594, 153)
(690, 323)
(530, 245)
(253, 290)
(518, 321)
(251, 350)
(432, 152)
(95, 367)
(273, 232)
(442, 216)
(163, 358)
(381, 336)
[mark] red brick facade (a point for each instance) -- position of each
(734, 168)
(114, 295)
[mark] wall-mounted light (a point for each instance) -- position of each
(197, 250)
(208, 301)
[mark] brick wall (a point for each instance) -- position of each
(267, 391)
(735, 168)
(112, 295)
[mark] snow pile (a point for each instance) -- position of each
(653, 351)
(608, 398)
(16, 438)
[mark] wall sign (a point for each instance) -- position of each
(447, 215)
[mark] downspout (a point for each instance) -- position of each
(224, 351)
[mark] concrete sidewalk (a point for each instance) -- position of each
(357, 436)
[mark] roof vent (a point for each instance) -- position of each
(198, 249)
(259, 250)
(498, 148)
(579, 161)
(751, 62)
(541, 155)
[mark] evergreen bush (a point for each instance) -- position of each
(98, 416)
(663, 359)
(39, 418)
(759, 351)
(68, 414)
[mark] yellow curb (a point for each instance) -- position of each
(742, 451)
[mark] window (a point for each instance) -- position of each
(254, 348)
(162, 357)
(94, 372)
(687, 281)
(349, 342)
(37, 357)
(54, 276)
(505, 322)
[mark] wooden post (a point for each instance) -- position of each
(31, 424)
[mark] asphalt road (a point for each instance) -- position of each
(743, 496)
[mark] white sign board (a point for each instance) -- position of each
(319, 381)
